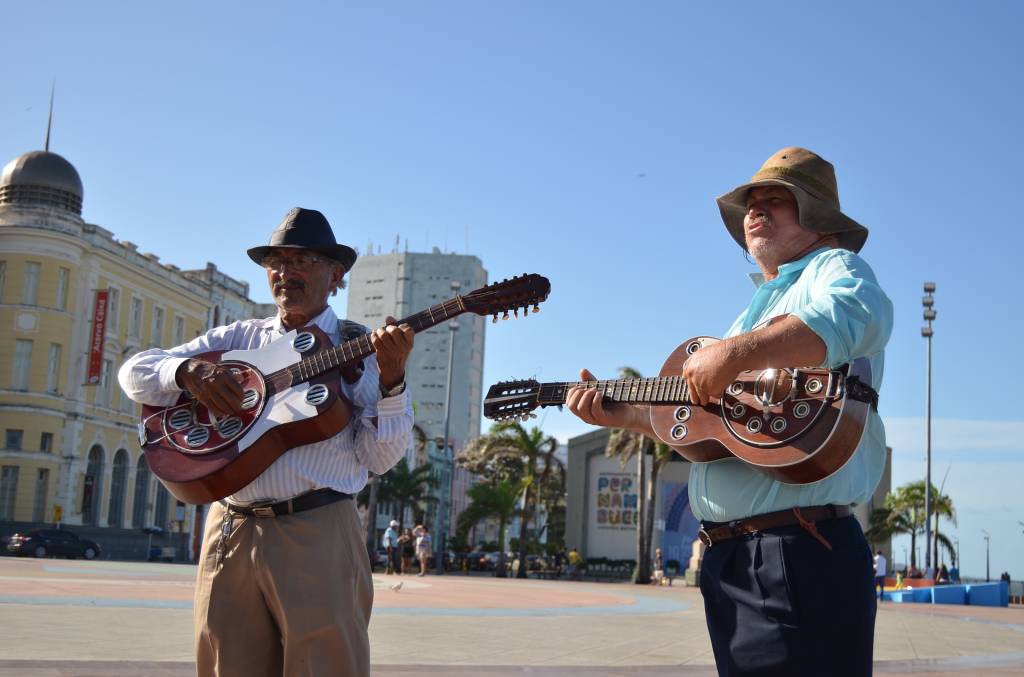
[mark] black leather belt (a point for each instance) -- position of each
(713, 532)
(307, 501)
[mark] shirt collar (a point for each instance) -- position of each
(326, 321)
(787, 269)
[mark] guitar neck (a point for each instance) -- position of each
(656, 390)
(358, 348)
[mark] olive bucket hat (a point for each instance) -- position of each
(305, 229)
(812, 180)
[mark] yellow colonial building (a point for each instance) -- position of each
(70, 452)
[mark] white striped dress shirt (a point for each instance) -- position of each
(339, 463)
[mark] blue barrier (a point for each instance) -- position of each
(949, 594)
(988, 594)
(977, 594)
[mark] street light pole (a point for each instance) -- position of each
(445, 519)
(929, 314)
(988, 577)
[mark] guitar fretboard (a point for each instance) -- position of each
(358, 348)
(656, 390)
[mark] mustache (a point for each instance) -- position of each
(281, 284)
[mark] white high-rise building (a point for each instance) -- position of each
(402, 284)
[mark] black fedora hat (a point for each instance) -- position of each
(306, 229)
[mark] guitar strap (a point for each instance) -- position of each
(349, 330)
(862, 392)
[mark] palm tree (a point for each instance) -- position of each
(904, 514)
(510, 452)
(491, 501)
(410, 488)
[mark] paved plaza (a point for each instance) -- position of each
(110, 619)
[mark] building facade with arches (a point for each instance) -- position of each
(70, 449)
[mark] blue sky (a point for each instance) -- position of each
(584, 141)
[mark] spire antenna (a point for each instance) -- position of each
(49, 120)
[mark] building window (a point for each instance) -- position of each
(53, 369)
(135, 318)
(22, 364)
(179, 330)
(113, 309)
(46, 443)
(30, 290)
(62, 288)
(103, 389)
(8, 490)
(12, 439)
(3, 278)
(157, 337)
(42, 485)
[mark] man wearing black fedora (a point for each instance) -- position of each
(787, 576)
(286, 588)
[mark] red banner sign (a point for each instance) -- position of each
(99, 332)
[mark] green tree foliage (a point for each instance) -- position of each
(904, 514)
(405, 488)
(498, 501)
(510, 452)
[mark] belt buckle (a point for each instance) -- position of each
(705, 537)
(264, 511)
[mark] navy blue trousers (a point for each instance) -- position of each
(780, 603)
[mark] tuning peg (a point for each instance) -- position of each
(505, 316)
(515, 312)
(536, 308)
(494, 319)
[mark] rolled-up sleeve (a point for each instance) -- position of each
(379, 447)
(848, 310)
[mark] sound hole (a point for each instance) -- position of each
(229, 427)
(181, 418)
(692, 348)
(317, 395)
(196, 437)
(814, 386)
(801, 410)
(683, 414)
(736, 388)
(778, 424)
(250, 399)
(303, 342)
(738, 410)
(754, 425)
(678, 431)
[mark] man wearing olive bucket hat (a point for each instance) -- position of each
(788, 582)
(284, 583)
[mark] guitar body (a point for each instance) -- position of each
(200, 459)
(797, 425)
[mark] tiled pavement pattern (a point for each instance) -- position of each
(62, 618)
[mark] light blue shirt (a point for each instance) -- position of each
(835, 293)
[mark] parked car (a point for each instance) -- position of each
(52, 542)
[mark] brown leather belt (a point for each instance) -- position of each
(805, 517)
(307, 501)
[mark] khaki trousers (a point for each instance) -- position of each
(291, 596)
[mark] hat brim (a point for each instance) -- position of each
(346, 256)
(815, 215)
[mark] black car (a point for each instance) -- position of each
(56, 542)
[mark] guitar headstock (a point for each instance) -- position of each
(510, 400)
(522, 291)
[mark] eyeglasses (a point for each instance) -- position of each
(275, 261)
